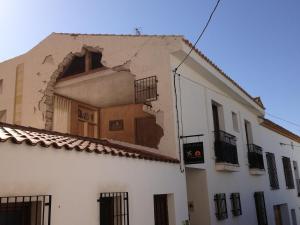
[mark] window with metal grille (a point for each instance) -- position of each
(114, 208)
(146, 89)
(288, 174)
(260, 208)
(273, 177)
(161, 215)
(236, 207)
(25, 210)
(221, 207)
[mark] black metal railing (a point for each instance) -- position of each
(225, 147)
(146, 89)
(255, 157)
(114, 208)
(25, 210)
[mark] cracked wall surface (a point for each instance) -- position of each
(143, 56)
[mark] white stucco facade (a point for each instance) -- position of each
(78, 178)
(197, 92)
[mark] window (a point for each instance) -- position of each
(236, 204)
(260, 208)
(114, 209)
(273, 177)
(1, 86)
(235, 123)
(146, 89)
(80, 64)
(221, 207)
(248, 130)
(288, 173)
(161, 215)
(25, 210)
(116, 125)
(218, 116)
(297, 177)
(3, 116)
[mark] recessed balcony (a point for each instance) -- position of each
(226, 151)
(255, 159)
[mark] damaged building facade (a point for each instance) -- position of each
(190, 145)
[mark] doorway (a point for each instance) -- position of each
(281, 213)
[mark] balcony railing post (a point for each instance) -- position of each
(255, 157)
(225, 147)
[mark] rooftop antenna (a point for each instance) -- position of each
(138, 31)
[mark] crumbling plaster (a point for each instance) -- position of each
(143, 55)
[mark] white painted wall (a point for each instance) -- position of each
(197, 93)
(76, 179)
(145, 56)
(271, 143)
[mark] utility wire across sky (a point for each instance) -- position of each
(200, 36)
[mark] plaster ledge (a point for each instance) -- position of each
(227, 167)
(257, 172)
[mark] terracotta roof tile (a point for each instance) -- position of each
(280, 130)
(32, 136)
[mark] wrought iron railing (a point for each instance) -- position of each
(255, 157)
(25, 210)
(146, 89)
(225, 147)
(114, 208)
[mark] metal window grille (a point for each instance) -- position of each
(221, 207)
(146, 89)
(225, 147)
(260, 208)
(288, 173)
(236, 204)
(272, 170)
(255, 157)
(25, 210)
(114, 208)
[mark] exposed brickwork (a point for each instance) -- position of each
(47, 99)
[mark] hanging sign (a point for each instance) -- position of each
(193, 153)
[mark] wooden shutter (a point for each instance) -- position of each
(272, 170)
(260, 208)
(161, 210)
(288, 172)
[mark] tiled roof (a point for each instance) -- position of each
(259, 103)
(32, 136)
(280, 130)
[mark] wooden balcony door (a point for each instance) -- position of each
(84, 120)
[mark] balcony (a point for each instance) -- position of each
(255, 157)
(298, 186)
(146, 89)
(225, 148)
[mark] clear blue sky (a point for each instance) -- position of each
(256, 42)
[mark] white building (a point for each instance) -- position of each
(123, 89)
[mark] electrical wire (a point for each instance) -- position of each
(279, 118)
(200, 36)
